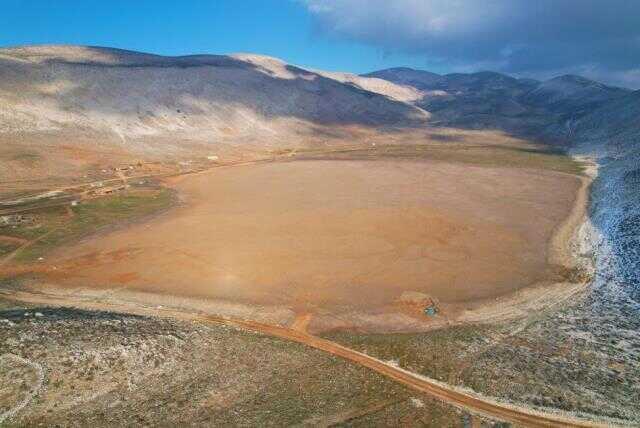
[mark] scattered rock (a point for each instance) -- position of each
(416, 402)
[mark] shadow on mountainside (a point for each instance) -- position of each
(198, 89)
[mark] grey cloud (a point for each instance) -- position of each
(526, 37)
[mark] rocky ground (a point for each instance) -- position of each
(67, 367)
(583, 359)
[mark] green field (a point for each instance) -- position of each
(56, 226)
(479, 155)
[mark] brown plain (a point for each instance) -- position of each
(329, 234)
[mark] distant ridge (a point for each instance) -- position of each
(487, 99)
(118, 101)
(419, 79)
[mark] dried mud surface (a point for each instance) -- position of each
(318, 236)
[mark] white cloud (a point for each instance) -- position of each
(518, 36)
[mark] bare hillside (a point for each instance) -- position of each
(203, 97)
(66, 110)
(489, 100)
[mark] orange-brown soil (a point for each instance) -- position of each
(323, 236)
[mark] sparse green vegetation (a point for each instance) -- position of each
(481, 155)
(437, 354)
(182, 371)
(9, 304)
(551, 363)
(27, 158)
(572, 274)
(57, 225)
(6, 248)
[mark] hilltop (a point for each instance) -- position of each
(486, 99)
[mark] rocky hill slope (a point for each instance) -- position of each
(617, 123)
(202, 97)
(612, 133)
(493, 100)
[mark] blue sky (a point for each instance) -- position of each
(281, 28)
(599, 39)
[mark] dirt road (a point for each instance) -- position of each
(473, 403)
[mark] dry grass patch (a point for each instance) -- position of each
(56, 226)
(473, 154)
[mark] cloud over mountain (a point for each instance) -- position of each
(596, 38)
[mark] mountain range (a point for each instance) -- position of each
(152, 105)
(493, 100)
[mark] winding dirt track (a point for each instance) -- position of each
(442, 391)
(448, 394)
(473, 403)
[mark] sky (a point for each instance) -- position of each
(599, 39)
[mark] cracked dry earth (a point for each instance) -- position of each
(66, 367)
